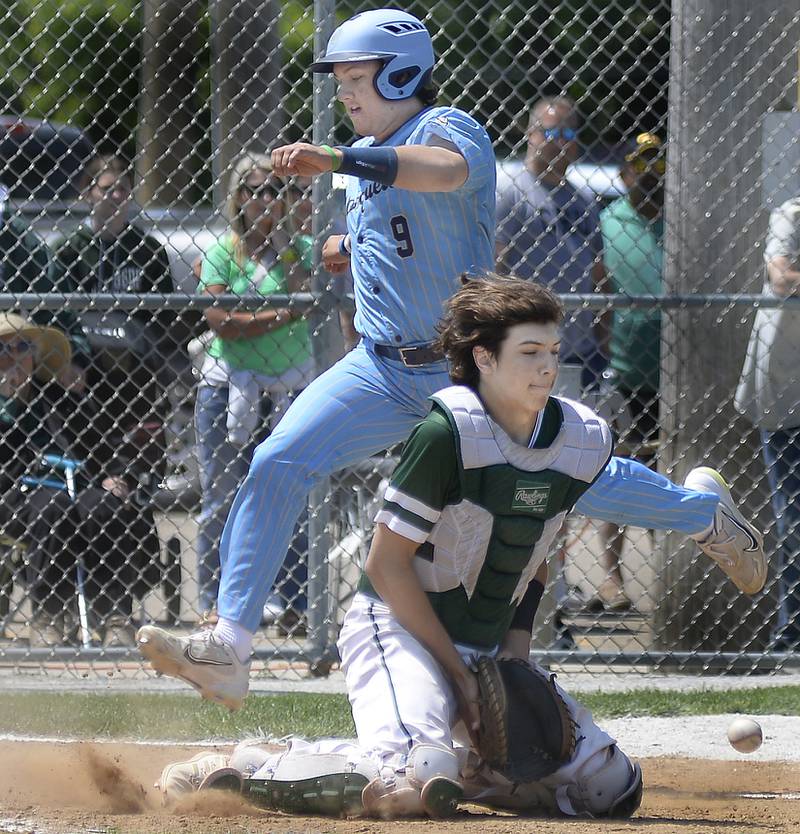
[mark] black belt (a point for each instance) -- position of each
(411, 357)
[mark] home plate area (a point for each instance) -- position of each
(107, 788)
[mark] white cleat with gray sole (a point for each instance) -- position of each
(201, 660)
(733, 543)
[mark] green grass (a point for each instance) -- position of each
(186, 717)
(777, 700)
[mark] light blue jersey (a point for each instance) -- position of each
(410, 247)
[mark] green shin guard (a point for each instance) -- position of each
(331, 795)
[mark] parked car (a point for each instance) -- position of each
(41, 160)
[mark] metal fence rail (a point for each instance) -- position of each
(123, 126)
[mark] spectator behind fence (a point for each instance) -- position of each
(255, 354)
(100, 525)
(129, 351)
(769, 394)
(26, 267)
(633, 235)
(549, 232)
(633, 230)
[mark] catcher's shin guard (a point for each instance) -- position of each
(433, 769)
(608, 785)
(326, 784)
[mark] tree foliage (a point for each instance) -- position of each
(79, 61)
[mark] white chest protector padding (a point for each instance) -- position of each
(580, 449)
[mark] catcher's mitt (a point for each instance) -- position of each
(526, 730)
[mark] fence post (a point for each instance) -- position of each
(324, 342)
(729, 64)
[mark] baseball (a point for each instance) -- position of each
(745, 735)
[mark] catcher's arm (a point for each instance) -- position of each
(517, 641)
(390, 568)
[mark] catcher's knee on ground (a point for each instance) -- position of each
(428, 786)
(329, 784)
(609, 784)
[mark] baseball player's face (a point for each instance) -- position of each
(520, 377)
(365, 108)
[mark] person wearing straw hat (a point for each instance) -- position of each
(100, 524)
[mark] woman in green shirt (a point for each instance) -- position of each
(254, 355)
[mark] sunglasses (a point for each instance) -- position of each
(265, 191)
(553, 134)
(16, 348)
(643, 166)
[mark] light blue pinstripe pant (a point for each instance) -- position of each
(363, 405)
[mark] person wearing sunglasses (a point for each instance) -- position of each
(126, 376)
(256, 363)
(549, 232)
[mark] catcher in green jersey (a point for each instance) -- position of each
(455, 571)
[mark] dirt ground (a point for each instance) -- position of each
(107, 789)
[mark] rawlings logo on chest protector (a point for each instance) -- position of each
(530, 497)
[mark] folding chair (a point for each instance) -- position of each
(69, 467)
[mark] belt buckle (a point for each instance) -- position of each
(408, 363)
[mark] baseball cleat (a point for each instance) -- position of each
(391, 801)
(733, 543)
(329, 795)
(203, 771)
(441, 797)
(201, 660)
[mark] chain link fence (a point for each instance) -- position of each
(641, 148)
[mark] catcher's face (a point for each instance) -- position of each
(516, 381)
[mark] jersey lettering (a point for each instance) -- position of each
(372, 190)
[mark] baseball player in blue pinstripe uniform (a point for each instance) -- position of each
(420, 206)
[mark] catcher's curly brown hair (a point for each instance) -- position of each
(480, 314)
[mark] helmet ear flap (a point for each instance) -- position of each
(401, 83)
